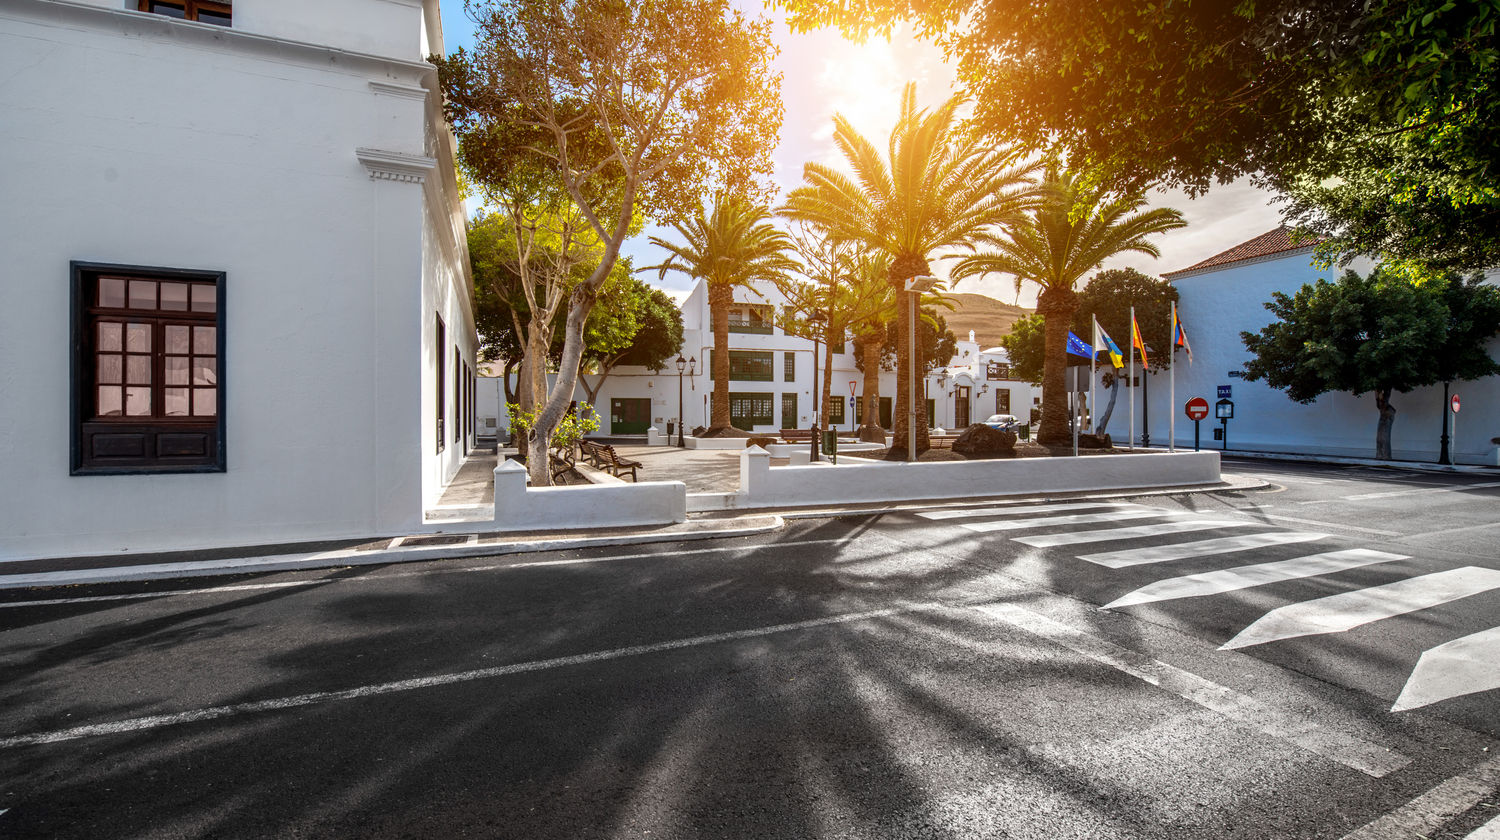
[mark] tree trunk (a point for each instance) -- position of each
(870, 430)
(511, 367)
(825, 401)
(720, 296)
(903, 268)
(1057, 307)
(1109, 408)
(534, 393)
(1387, 419)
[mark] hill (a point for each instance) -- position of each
(988, 318)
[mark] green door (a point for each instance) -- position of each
(629, 416)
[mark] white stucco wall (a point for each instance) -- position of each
(1217, 305)
(132, 139)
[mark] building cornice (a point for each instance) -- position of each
(395, 166)
(1173, 276)
(399, 91)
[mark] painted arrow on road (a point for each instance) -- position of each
(1345, 611)
(1462, 666)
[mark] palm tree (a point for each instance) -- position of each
(1073, 231)
(937, 188)
(733, 244)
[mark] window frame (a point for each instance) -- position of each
(84, 280)
(742, 397)
(442, 381)
(191, 10)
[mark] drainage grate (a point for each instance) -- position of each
(439, 539)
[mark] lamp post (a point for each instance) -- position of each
(691, 366)
(818, 319)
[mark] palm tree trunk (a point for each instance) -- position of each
(824, 402)
(1057, 306)
(903, 268)
(870, 430)
(720, 296)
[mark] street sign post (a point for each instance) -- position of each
(1196, 409)
(1224, 392)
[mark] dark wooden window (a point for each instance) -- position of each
(835, 410)
(997, 371)
(219, 14)
(747, 365)
(442, 380)
(148, 351)
(458, 393)
(789, 369)
(789, 410)
(748, 410)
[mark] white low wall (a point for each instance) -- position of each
(594, 506)
(762, 485)
(716, 443)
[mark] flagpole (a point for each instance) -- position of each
(1093, 372)
(1130, 377)
(1172, 384)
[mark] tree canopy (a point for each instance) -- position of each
(1379, 333)
(1396, 97)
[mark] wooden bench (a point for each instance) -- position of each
(941, 441)
(562, 459)
(604, 456)
(796, 435)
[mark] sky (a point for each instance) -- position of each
(823, 73)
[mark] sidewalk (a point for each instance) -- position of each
(1424, 466)
(30, 574)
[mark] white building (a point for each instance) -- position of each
(1223, 296)
(246, 218)
(771, 379)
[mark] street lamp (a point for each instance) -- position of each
(691, 365)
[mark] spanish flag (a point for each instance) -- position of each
(1179, 336)
(1104, 344)
(1135, 338)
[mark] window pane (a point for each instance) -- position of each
(205, 297)
(215, 18)
(111, 368)
(203, 341)
(176, 372)
(175, 10)
(138, 338)
(205, 402)
(110, 336)
(138, 370)
(110, 401)
(174, 296)
(111, 292)
(137, 402)
(177, 339)
(142, 294)
(176, 402)
(205, 371)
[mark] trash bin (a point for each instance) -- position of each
(830, 443)
(1024, 432)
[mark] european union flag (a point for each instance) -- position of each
(1079, 347)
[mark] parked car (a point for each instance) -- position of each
(1003, 422)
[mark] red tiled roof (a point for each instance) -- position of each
(1268, 243)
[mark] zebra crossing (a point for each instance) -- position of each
(1455, 668)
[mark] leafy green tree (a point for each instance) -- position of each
(1380, 334)
(628, 109)
(1069, 234)
(642, 327)
(731, 245)
(1026, 345)
(1399, 98)
(938, 188)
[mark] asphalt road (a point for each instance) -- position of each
(946, 673)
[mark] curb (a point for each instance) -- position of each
(683, 532)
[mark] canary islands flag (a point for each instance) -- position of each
(1104, 344)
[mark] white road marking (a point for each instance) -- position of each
(1068, 519)
(1157, 529)
(426, 570)
(1428, 812)
(1445, 531)
(1462, 666)
(1423, 491)
(1201, 548)
(959, 513)
(1488, 831)
(1244, 577)
(1347, 610)
(1336, 525)
(1370, 759)
(277, 704)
